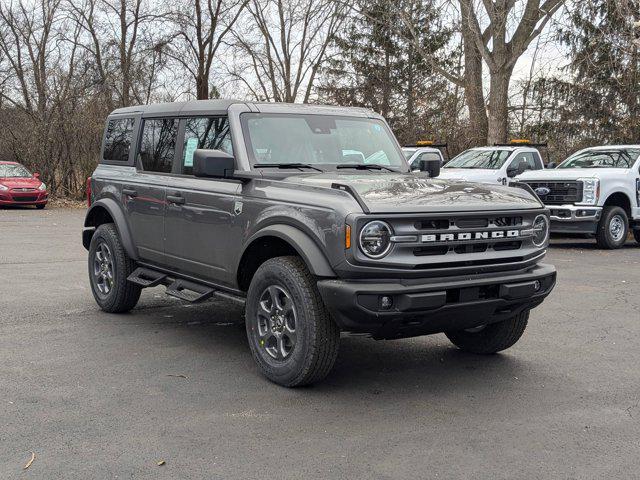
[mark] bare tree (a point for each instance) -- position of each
(291, 42)
(203, 26)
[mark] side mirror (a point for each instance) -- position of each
(432, 167)
(213, 163)
(515, 171)
(36, 175)
(551, 165)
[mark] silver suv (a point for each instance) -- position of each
(311, 218)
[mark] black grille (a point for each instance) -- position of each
(25, 199)
(560, 192)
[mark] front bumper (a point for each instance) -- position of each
(439, 305)
(574, 218)
(23, 198)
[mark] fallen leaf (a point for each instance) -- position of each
(161, 463)
(33, 457)
(180, 375)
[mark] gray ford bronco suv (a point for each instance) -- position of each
(309, 216)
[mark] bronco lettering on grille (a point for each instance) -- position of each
(466, 236)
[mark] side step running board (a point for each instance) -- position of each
(146, 277)
(178, 287)
(189, 291)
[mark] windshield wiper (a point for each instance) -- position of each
(365, 166)
(287, 165)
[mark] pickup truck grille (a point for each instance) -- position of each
(560, 192)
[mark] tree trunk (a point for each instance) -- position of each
(499, 106)
(202, 87)
(474, 95)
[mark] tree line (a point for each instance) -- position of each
(437, 69)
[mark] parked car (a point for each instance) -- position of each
(427, 151)
(497, 164)
(18, 186)
(595, 191)
(275, 207)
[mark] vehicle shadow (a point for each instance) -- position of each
(363, 367)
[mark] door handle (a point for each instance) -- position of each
(177, 199)
(129, 192)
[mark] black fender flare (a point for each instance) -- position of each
(119, 219)
(309, 250)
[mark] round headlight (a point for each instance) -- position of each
(375, 239)
(540, 230)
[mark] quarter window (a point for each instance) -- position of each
(158, 144)
(117, 140)
(208, 133)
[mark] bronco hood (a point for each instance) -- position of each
(407, 192)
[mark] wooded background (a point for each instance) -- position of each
(446, 70)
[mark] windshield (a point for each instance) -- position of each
(490, 159)
(324, 141)
(13, 171)
(602, 159)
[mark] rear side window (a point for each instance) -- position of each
(527, 158)
(117, 140)
(208, 133)
(158, 144)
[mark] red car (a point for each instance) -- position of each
(18, 186)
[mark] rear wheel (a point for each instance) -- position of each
(292, 337)
(109, 267)
(613, 228)
(491, 338)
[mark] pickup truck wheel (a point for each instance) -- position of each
(491, 338)
(292, 337)
(109, 267)
(613, 228)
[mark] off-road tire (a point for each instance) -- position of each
(317, 336)
(41, 206)
(493, 338)
(604, 236)
(123, 295)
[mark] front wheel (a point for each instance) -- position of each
(636, 235)
(292, 337)
(109, 267)
(491, 338)
(40, 206)
(613, 228)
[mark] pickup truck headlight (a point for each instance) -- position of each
(375, 239)
(540, 230)
(590, 190)
(42, 187)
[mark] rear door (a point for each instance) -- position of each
(200, 220)
(144, 192)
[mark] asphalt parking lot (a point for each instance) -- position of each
(97, 396)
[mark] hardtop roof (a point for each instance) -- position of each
(220, 107)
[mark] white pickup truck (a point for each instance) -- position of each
(595, 191)
(496, 164)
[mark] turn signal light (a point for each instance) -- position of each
(347, 236)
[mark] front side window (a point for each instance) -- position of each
(527, 159)
(622, 158)
(323, 141)
(117, 140)
(158, 144)
(206, 133)
(485, 159)
(12, 170)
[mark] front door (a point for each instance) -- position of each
(200, 220)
